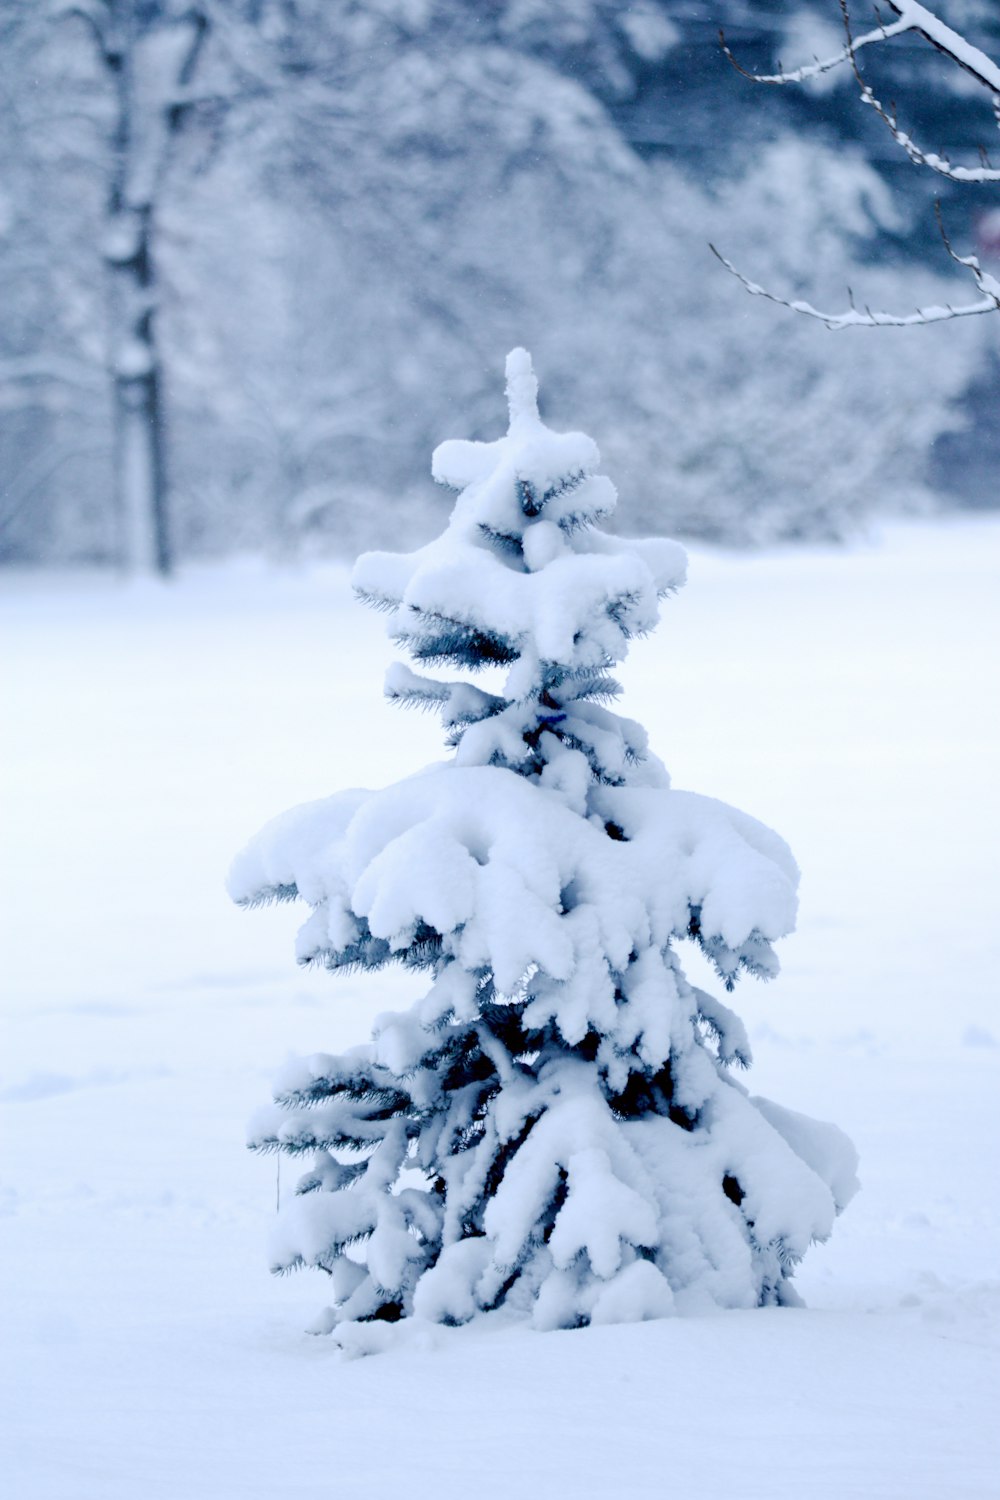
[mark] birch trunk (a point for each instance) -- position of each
(139, 467)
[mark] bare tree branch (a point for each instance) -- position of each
(817, 67)
(866, 318)
(988, 284)
(912, 17)
(921, 158)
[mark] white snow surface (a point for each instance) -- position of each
(843, 697)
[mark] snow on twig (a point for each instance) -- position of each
(933, 160)
(866, 317)
(911, 17)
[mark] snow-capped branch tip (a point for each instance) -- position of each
(522, 388)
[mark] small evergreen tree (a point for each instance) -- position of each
(556, 1127)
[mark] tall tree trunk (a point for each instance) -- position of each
(150, 66)
(139, 466)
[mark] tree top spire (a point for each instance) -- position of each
(522, 388)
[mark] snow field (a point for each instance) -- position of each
(843, 699)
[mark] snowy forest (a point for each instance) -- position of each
(236, 238)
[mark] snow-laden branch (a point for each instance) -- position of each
(934, 161)
(818, 66)
(916, 18)
(988, 284)
(865, 317)
(911, 17)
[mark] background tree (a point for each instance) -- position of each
(555, 1127)
(150, 65)
(147, 53)
(333, 217)
(150, 54)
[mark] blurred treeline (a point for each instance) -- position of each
(259, 256)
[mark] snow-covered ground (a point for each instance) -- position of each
(849, 699)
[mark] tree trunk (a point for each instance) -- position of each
(140, 476)
(139, 460)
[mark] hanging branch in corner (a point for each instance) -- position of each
(916, 18)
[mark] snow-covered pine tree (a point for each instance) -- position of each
(556, 1128)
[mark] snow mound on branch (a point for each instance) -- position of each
(511, 879)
